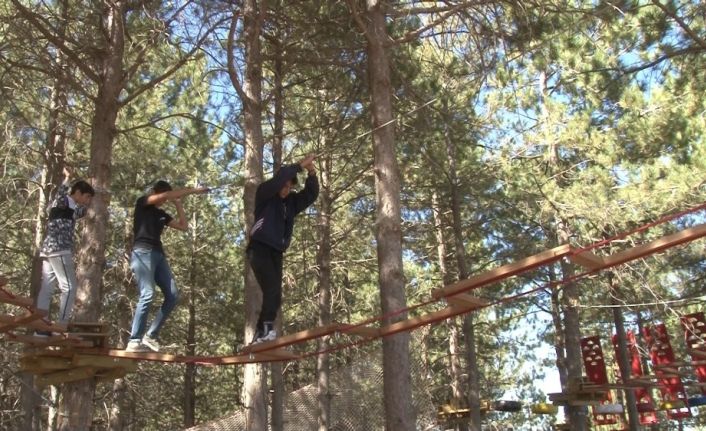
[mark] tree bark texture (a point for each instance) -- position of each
(255, 376)
(399, 412)
(323, 263)
(623, 356)
(76, 412)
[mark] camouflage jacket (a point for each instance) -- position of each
(63, 213)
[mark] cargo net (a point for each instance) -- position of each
(356, 393)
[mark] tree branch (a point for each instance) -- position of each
(681, 23)
(176, 66)
(414, 34)
(58, 42)
(358, 20)
(232, 73)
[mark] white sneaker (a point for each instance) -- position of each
(136, 346)
(151, 343)
(269, 331)
(271, 335)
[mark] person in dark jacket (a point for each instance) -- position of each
(149, 264)
(275, 208)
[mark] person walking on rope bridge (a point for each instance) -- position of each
(149, 264)
(69, 204)
(275, 208)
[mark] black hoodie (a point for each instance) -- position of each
(274, 216)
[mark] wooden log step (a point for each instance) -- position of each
(103, 362)
(697, 353)
(656, 246)
(290, 339)
(41, 325)
(415, 322)
(54, 340)
(44, 364)
(587, 259)
(87, 326)
(361, 330)
(504, 271)
(279, 354)
(466, 300)
(89, 334)
(9, 298)
(150, 356)
(65, 376)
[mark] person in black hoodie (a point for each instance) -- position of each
(275, 208)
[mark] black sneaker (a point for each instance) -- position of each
(42, 334)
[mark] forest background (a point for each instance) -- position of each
(493, 129)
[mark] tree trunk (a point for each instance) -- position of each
(576, 415)
(323, 263)
(559, 345)
(399, 412)
(119, 410)
(54, 155)
(624, 357)
(276, 369)
(463, 273)
(77, 409)
(457, 392)
(255, 376)
(190, 369)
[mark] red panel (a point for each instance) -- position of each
(695, 335)
(645, 404)
(594, 362)
(661, 353)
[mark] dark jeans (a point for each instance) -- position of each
(266, 263)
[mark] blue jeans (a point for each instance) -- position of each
(151, 267)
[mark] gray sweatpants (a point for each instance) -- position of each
(58, 269)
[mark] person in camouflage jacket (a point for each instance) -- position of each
(69, 204)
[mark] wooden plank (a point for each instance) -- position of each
(65, 376)
(504, 271)
(610, 386)
(87, 325)
(238, 359)
(22, 320)
(587, 259)
(98, 362)
(44, 364)
(362, 330)
(695, 353)
(280, 354)
(415, 322)
(21, 301)
(149, 356)
(670, 370)
(55, 340)
(90, 334)
(290, 339)
(466, 300)
(41, 325)
(656, 246)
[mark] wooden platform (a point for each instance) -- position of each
(52, 369)
(578, 398)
